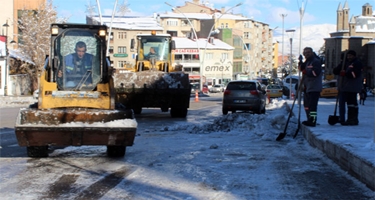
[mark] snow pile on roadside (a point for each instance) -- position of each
(266, 125)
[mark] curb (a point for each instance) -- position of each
(7, 101)
(358, 167)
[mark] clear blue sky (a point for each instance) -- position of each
(266, 11)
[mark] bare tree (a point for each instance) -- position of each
(34, 35)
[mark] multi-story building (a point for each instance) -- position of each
(123, 30)
(10, 11)
(218, 62)
(253, 54)
(357, 34)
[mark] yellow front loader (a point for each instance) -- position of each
(76, 104)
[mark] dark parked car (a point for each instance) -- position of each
(286, 90)
(244, 95)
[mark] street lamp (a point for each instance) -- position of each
(247, 60)
(191, 24)
(208, 37)
(282, 48)
(222, 60)
(196, 38)
(290, 33)
(6, 59)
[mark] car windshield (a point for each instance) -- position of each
(78, 53)
(273, 87)
(241, 86)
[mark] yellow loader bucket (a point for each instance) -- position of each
(38, 129)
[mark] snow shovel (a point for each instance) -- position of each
(283, 134)
(299, 104)
(333, 119)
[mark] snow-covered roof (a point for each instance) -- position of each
(186, 43)
(131, 23)
(230, 16)
(365, 24)
(18, 55)
(199, 16)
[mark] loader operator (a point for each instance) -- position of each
(77, 64)
(152, 54)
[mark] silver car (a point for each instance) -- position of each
(217, 88)
(245, 95)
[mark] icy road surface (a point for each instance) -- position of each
(206, 156)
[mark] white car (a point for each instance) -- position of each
(217, 88)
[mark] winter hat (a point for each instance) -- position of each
(352, 52)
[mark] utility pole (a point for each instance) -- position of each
(282, 48)
(6, 25)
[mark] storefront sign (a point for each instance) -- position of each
(217, 68)
(186, 51)
(120, 55)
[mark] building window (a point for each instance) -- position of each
(246, 35)
(222, 25)
(185, 23)
(209, 56)
(246, 24)
(226, 25)
(110, 50)
(225, 56)
(121, 64)
(121, 49)
(111, 36)
(172, 23)
(248, 46)
(121, 35)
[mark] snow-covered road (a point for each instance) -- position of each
(206, 156)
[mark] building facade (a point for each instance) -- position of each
(356, 33)
(253, 50)
(10, 10)
(252, 40)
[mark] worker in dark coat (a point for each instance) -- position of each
(350, 86)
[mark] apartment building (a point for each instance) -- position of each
(123, 30)
(10, 10)
(217, 63)
(253, 54)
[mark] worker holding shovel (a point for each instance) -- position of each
(313, 83)
(351, 85)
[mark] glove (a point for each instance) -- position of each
(304, 71)
(342, 73)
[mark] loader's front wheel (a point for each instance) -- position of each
(37, 152)
(116, 151)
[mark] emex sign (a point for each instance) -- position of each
(217, 68)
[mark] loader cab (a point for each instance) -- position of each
(78, 55)
(154, 47)
(153, 51)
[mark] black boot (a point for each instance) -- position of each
(352, 117)
(311, 120)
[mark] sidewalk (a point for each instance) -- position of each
(14, 101)
(351, 147)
